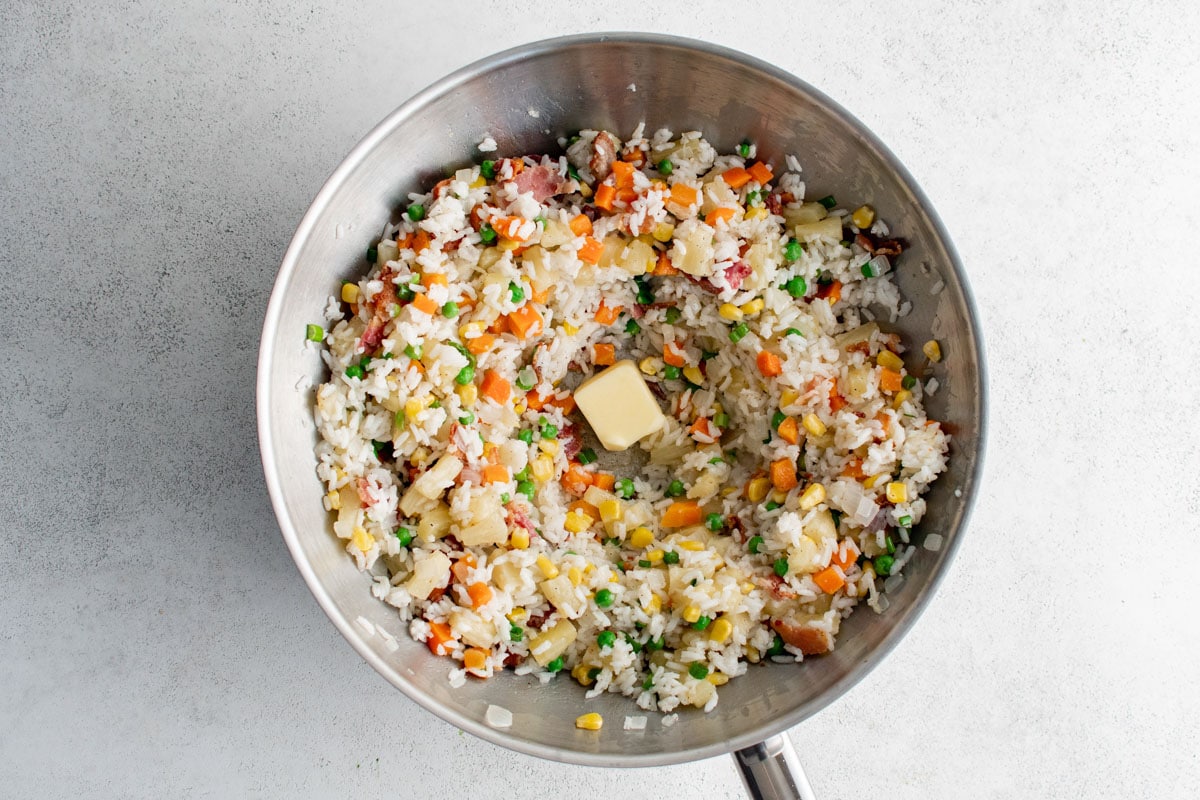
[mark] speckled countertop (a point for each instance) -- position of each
(158, 641)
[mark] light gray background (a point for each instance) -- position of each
(156, 639)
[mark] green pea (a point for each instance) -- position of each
(883, 565)
(781, 567)
(488, 169)
(754, 544)
(673, 315)
(606, 639)
(604, 598)
(670, 557)
(714, 522)
(465, 375)
(676, 489)
(404, 535)
(555, 665)
(416, 212)
(698, 671)
(671, 372)
(702, 623)
(450, 310)
(526, 436)
(665, 167)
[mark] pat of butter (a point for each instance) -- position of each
(618, 405)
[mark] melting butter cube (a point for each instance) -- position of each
(618, 405)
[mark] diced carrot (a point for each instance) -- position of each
(719, 213)
(829, 580)
(465, 563)
(421, 302)
(830, 291)
(672, 355)
(736, 177)
(518, 166)
(854, 469)
(525, 321)
(683, 195)
(623, 174)
(565, 404)
(495, 473)
(769, 364)
(434, 279)
(510, 228)
(417, 365)
(789, 430)
(884, 420)
(605, 194)
(603, 354)
(405, 243)
(890, 380)
(480, 594)
(760, 172)
(439, 635)
(847, 561)
(606, 315)
(581, 225)
(682, 513)
(836, 401)
(626, 195)
(604, 480)
(499, 325)
(576, 479)
(664, 266)
(495, 386)
(420, 241)
(783, 474)
(591, 251)
(585, 507)
(704, 427)
(541, 296)
(475, 658)
(480, 344)
(534, 400)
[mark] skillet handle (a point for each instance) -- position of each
(771, 771)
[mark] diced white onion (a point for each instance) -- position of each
(498, 717)
(933, 542)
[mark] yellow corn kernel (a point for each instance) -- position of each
(778, 496)
(691, 614)
(478, 183)
(694, 375)
(752, 654)
(542, 468)
(728, 490)
(519, 539)
(470, 330)
(611, 510)
(874, 480)
(887, 358)
(758, 212)
(362, 540)
(720, 631)
(729, 311)
(663, 231)
(813, 496)
(549, 570)
(757, 488)
(580, 674)
(569, 329)
(650, 365)
(654, 606)
(755, 306)
(612, 578)
(695, 547)
(787, 397)
(517, 614)
(641, 537)
(585, 190)
(589, 569)
(412, 407)
(575, 574)
(577, 522)
(655, 556)
(717, 678)
(589, 722)
(350, 292)
(333, 500)
(747, 587)
(489, 450)
(509, 244)
(813, 424)
(468, 394)
(902, 397)
(932, 350)
(862, 217)
(548, 446)
(897, 492)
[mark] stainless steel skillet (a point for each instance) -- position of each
(525, 98)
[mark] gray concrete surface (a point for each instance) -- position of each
(157, 640)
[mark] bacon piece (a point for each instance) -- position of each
(381, 312)
(777, 200)
(885, 247)
(544, 182)
(569, 436)
(734, 275)
(776, 586)
(364, 494)
(604, 153)
(518, 517)
(537, 621)
(811, 641)
(513, 660)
